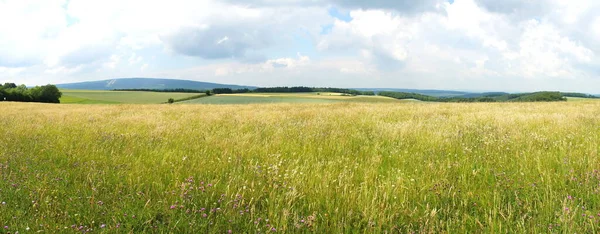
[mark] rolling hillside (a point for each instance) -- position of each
(428, 92)
(146, 83)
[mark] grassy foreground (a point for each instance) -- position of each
(335, 168)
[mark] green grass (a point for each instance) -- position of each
(112, 97)
(255, 98)
(78, 100)
(300, 168)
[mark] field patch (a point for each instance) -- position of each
(115, 97)
(256, 98)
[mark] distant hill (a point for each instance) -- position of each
(428, 92)
(488, 97)
(147, 83)
(488, 94)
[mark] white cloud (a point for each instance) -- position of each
(379, 36)
(113, 62)
(133, 59)
(467, 44)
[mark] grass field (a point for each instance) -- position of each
(254, 98)
(114, 97)
(297, 168)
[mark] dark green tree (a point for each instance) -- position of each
(48, 94)
(9, 85)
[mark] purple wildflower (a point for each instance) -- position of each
(103, 226)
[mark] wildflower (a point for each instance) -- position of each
(3, 203)
(103, 226)
(173, 207)
(302, 221)
(569, 197)
(5, 227)
(229, 231)
(273, 229)
(204, 215)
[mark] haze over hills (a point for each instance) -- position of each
(161, 83)
(429, 92)
(147, 83)
(156, 83)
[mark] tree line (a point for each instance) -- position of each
(14, 93)
(519, 97)
(179, 90)
(296, 89)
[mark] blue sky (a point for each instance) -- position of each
(509, 45)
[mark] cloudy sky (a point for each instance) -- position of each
(482, 45)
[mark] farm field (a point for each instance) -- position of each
(295, 168)
(255, 98)
(115, 97)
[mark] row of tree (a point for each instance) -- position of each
(14, 93)
(520, 97)
(165, 90)
(302, 89)
(297, 89)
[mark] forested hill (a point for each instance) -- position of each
(490, 97)
(147, 83)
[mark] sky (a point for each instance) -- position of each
(470, 45)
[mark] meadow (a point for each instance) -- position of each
(301, 168)
(116, 97)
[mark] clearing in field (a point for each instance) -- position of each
(115, 97)
(322, 168)
(250, 98)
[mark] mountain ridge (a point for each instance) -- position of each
(147, 83)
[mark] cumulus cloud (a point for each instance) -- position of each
(403, 6)
(462, 44)
(217, 43)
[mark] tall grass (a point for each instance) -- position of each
(335, 168)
